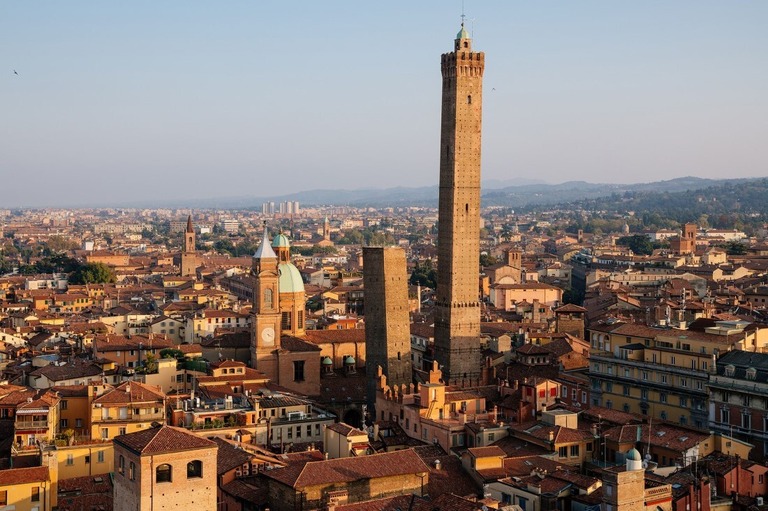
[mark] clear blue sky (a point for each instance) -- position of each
(117, 101)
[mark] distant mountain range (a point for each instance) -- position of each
(507, 193)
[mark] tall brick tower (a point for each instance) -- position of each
(387, 325)
(457, 311)
(188, 254)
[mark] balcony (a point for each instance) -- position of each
(27, 425)
(641, 364)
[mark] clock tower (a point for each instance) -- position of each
(266, 309)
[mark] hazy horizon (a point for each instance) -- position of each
(108, 102)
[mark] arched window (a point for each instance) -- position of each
(132, 471)
(121, 465)
(163, 473)
(268, 298)
(194, 469)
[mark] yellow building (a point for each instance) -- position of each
(129, 407)
(662, 372)
(27, 489)
(89, 459)
(74, 409)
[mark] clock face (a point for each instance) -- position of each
(268, 335)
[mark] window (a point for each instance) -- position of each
(644, 394)
(663, 378)
(132, 471)
(268, 298)
(78, 423)
(574, 451)
(63, 423)
(662, 397)
(663, 415)
(100, 457)
(3, 497)
(683, 401)
(194, 469)
(645, 375)
(163, 473)
(35, 494)
(298, 431)
(285, 321)
(87, 460)
(298, 370)
(121, 465)
(309, 429)
(725, 415)
(70, 459)
(683, 382)
(63, 404)
(626, 390)
(745, 400)
(563, 452)
(672, 360)
(746, 420)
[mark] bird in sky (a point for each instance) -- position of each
(14, 72)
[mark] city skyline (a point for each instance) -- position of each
(112, 103)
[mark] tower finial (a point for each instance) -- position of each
(462, 13)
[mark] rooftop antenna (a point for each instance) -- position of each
(462, 13)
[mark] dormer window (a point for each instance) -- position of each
(730, 370)
(751, 373)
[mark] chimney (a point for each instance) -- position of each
(551, 436)
(437, 465)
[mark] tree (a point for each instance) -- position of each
(171, 353)
(93, 273)
(487, 260)
(424, 275)
(637, 243)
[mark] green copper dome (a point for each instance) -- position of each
(280, 241)
(349, 360)
(463, 34)
(634, 455)
(327, 361)
(290, 279)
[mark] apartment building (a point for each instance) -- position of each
(663, 372)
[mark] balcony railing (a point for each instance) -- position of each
(31, 425)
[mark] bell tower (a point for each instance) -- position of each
(265, 337)
(188, 254)
(457, 306)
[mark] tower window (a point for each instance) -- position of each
(285, 321)
(466, 44)
(469, 100)
(163, 473)
(194, 469)
(298, 370)
(268, 298)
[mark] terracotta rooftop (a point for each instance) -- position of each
(343, 470)
(163, 439)
(23, 475)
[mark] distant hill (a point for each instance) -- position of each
(495, 193)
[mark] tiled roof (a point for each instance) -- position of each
(345, 429)
(230, 456)
(163, 439)
(23, 475)
(486, 452)
(343, 470)
(67, 372)
(334, 336)
(131, 392)
(295, 344)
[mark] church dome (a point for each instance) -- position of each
(634, 455)
(290, 279)
(463, 34)
(280, 241)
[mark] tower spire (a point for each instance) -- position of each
(265, 249)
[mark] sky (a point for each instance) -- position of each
(110, 102)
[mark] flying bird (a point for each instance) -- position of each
(14, 72)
